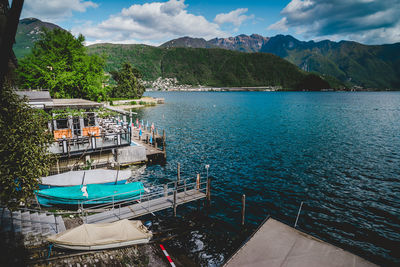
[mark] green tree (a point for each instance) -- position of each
(24, 142)
(59, 62)
(128, 82)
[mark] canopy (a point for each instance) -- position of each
(97, 176)
(91, 235)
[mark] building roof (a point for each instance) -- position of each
(43, 100)
(277, 244)
(75, 103)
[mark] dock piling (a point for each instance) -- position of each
(243, 207)
(198, 182)
(175, 203)
(165, 190)
(208, 195)
(179, 172)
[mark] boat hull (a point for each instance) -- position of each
(106, 246)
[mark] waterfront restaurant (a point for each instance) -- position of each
(76, 125)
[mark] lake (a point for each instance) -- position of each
(338, 152)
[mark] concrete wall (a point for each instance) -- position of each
(131, 154)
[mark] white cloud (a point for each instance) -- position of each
(54, 10)
(236, 17)
(152, 22)
(366, 21)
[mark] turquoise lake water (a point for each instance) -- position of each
(339, 153)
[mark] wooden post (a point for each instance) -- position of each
(147, 138)
(154, 140)
(243, 207)
(208, 196)
(198, 181)
(179, 172)
(165, 190)
(164, 148)
(174, 203)
(184, 186)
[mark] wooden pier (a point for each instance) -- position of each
(154, 143)
(169, 196)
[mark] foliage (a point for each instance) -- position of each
(24, 142)
(128, 83)
(65, 113)
(59, 62)
(312, 82)
(212, 67)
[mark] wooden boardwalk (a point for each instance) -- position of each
(145, 207)
(153, 151)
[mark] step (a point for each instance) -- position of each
(50, 226)
(36, 226)
(16, 221)
(26, 222)
(5, 220)
(60, 225)
(45, 226)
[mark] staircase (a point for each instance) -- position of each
(30, 223)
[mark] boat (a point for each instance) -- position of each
(102, 236)
(90, 194)
(97, 176)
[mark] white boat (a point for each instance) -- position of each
(102, 236)
(96, 176)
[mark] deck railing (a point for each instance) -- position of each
(78, 145)
(165, 191)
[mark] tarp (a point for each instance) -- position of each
(89, 194)
(102, 234)
(97, 176)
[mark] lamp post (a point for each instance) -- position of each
(207, 167)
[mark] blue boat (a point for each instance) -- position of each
(90, 194)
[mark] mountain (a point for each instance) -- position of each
(188, 42)
(352, 63)
(27, 33)
(243, 43)
(210, 67)
(369, 66)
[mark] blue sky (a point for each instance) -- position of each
(154, 22)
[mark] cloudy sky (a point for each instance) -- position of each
(154, 22)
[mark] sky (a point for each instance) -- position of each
(155, 22)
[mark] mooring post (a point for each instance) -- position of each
(198, 181)
(243, 207)
(165, 190)
(179, 172)
(175, 203)
(147, 138)
(208, 196)
(154, 140)
(163, 140)
(184, 186)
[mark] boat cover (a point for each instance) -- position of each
(87, 235)
(97, 176)
(89, 194)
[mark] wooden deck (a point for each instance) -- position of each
(155, 151)
(145, 207)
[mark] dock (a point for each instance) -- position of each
(156, 149)
(277, 244)
(170, 196)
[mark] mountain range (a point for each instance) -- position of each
(368, 66)
(349, 63)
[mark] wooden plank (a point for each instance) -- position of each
(145, 207)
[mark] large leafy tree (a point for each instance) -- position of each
(59, 62)
(24, 142)
(128, 82)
